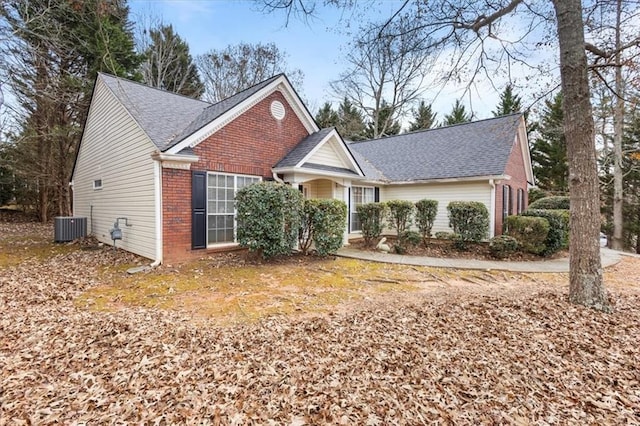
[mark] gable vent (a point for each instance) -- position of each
(277, 110)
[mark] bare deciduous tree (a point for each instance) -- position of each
(386, 76)
(237, 67)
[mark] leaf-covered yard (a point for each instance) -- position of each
(317, 342)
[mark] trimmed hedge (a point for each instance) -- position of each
(558, 236)
(323, 223)
(502, 246)
(530, 232)
(470, 220)
(555, 202)
(269, 217)
(399, 215)
(426, 211)
(371, 216)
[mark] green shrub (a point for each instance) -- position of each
(400, 213)
(558, 236)
(268, 218)
(530, 232)
(502, 246)
(371, 217)
(410, 238)
(426, 211)
(555, 202)
(470, 220)
(444, 235)
(536, 193)
(324, 221)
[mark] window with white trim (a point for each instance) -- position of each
(359, 195)
(221, 211)
(97, 184)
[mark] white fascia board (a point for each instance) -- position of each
(451, 180)
(280, 83)
(526, 154)
(315, 172)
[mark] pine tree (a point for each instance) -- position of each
(423, 117)
(457, 115)
(49, 58)
(386, 125)
(549, 150)
(327, 117)
(509, 102)
(168, 64)
(351, 122)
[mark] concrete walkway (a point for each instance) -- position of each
(609, 258)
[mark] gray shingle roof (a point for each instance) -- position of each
(303, 148)
(161, 114)
(216, 110)
(480, 148)
(167, 117)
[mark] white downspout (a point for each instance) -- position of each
(276, 178)
(157, 174)
(492, 211)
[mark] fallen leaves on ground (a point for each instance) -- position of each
(467, 353)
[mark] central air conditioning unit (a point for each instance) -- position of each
(69, 228)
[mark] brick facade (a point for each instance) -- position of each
(517, 170)
(251, 144)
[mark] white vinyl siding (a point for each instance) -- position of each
(327, 155)
(117, 152)
(444, 193)
(221, 211)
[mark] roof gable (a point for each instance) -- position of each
(467, 150)
(218, 115)
(322, 150)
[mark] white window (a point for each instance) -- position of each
(221, 212)
(359, 195)
(97, 184)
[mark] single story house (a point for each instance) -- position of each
(171, 165)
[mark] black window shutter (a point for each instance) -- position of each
(300, 188)
(376, 194)
(349, 209)
(198, 210)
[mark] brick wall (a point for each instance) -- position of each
(251, 144)
(516, 169)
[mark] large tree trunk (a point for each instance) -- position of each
(586, 286)
(618, 116)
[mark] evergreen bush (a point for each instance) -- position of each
(470, 220)
(400, 215)
(554, 202)
(269, 216)
(371, 216)
(426, 211)
(323, 222)
(558, 236)
(502, 246)
(530, 232)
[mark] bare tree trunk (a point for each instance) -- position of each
(618, 117)
(586, 286)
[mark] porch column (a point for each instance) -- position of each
(345, 198)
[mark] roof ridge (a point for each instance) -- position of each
(146, 86)
(263, 82)
(466, 123)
